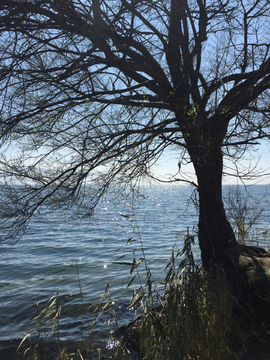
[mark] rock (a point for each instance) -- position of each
(254, 267)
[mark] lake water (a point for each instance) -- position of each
(76, 258)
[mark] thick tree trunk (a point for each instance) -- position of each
(246, 267)
(216, 237)
(247, 274)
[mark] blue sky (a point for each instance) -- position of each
(167, 166)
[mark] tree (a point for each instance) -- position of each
(94, 91)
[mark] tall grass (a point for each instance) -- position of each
(43, 339)
(243, 212)
(47, 318)
(193, 318)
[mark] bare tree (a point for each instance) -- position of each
(93, 92)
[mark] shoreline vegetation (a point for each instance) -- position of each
(193, 316)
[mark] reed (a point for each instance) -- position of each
(243, 212)
(44, 327)
(194, 316)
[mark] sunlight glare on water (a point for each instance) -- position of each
(73, 257)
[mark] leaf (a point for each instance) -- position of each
(120, 257)
(135, 264)
(127, 216)
(23, 340)
(129, 241)
(122, 263)
(137, 298)
(131, 281)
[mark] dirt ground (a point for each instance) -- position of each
(257, 343)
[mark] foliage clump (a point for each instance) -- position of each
(194, 318)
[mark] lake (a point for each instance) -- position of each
(77, 258)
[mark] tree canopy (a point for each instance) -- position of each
(93, 92)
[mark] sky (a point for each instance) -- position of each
(167, 166)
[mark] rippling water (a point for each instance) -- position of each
(72, 256)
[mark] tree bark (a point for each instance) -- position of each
(246, 267)
(216, 236)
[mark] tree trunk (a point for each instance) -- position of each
(246, 267)
(216, 237)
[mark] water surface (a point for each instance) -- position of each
(77, 258)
